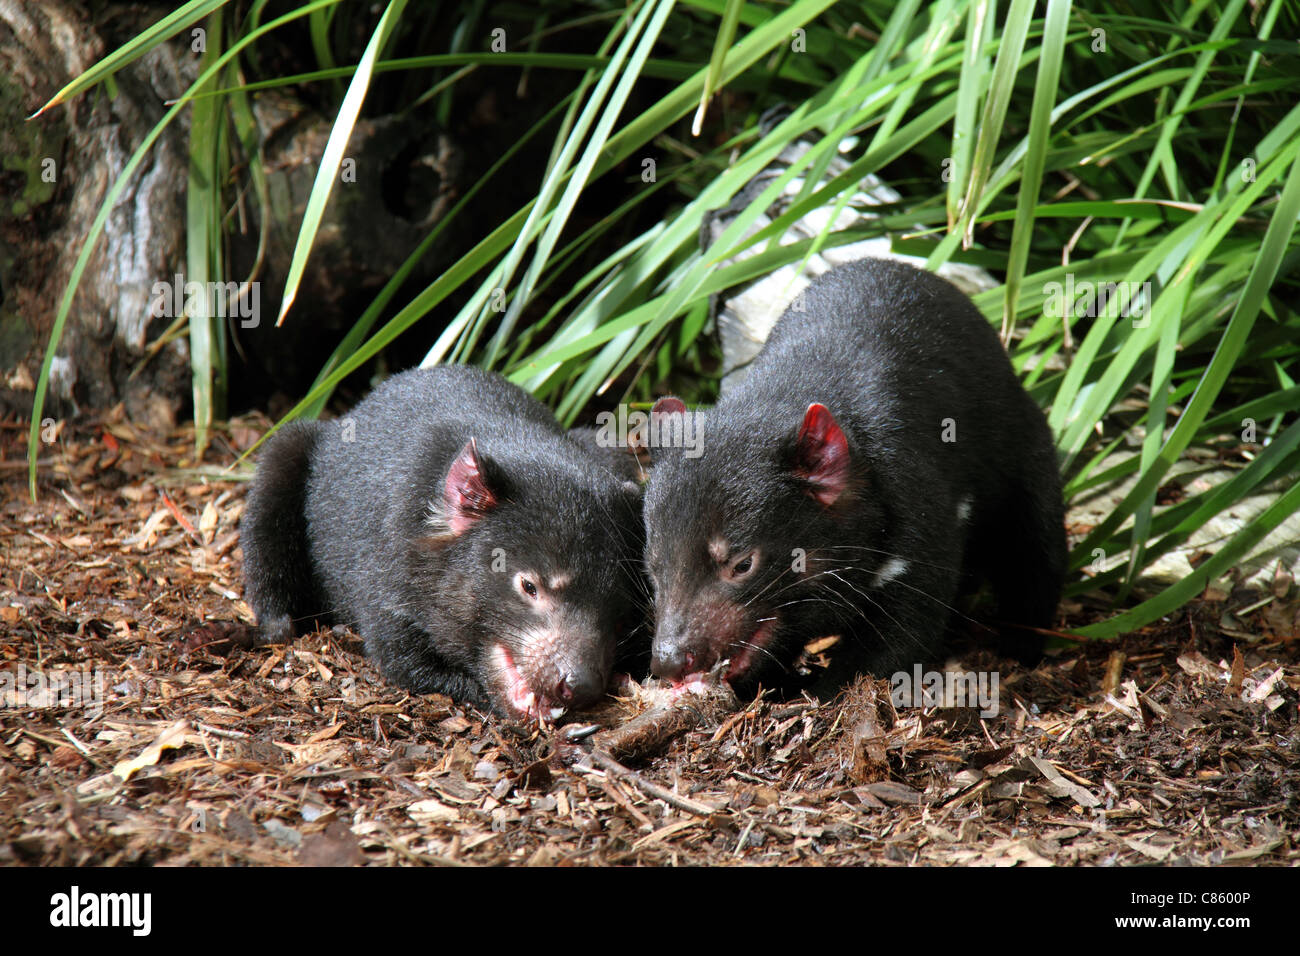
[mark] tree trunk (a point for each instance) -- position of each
(57, 171)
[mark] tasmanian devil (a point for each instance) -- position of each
(448, 519)
(879, 458)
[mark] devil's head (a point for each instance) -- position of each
(746, 542)
(527, 569)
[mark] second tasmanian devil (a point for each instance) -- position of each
(879, 458)
(479, 551)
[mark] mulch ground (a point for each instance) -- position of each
(126, 738)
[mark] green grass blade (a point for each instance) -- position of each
(972, 84)
(1005, 68)
(333, 155)
(203, 239)
(1161, 377)
(721, 44)
(136, 47)
(1031, 181)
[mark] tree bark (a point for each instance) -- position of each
(58, 169)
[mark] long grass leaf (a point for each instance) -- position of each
(332, 158)
(136, 47)
(1031, 175)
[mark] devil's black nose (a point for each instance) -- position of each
(578, 687)
(672, 660)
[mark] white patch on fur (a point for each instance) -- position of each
(719, 549)
(963, 509)
(891, 569)
(435, 519)
(558, 582)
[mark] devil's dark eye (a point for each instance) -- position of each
(741, 566)
(528, 587)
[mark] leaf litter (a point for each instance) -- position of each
(153, 734)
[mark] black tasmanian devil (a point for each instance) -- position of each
(879, 458)
(479, 551)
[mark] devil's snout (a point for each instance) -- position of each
(676, 652)
(579, 686)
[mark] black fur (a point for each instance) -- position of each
(622, 459)
(350, 521)
(893, 353)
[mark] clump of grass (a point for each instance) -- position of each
(1134, 148)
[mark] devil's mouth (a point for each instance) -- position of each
(743, 654)
(522, 698)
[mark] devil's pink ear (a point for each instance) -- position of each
(466, 494)
(667, 433)
(821, 455)
(669, 406)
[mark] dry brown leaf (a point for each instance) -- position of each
(170, 739)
